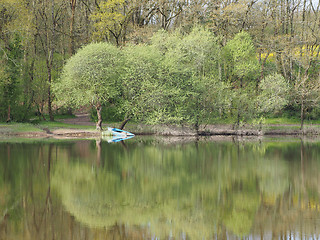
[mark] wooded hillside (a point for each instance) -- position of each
(179, 61)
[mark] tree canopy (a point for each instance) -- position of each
(90, 77)
(176, 78)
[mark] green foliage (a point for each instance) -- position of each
(314, 114)
(192, 67)
(274, 93)
(241, 68)
(11, 79)
(39, 82)
(110, 113)
(165, 41)
(168, 81)
(197, 53)
(175, 79)
(244, 105)
(145, 95)
(273, 96)
(191, 57)
(90, 76)
(241, 57)
(3, 82)
(109, 19)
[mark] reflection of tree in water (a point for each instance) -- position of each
(177, 190)
(30, 209)
(216, 189)
(100, 199)
(273, 177)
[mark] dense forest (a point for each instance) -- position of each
(160, 61)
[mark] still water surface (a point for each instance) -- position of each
(160, 188)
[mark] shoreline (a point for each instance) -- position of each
(168, 130)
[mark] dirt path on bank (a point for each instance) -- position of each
(79, 119)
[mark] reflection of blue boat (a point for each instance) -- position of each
(117, 132)
(111, 139)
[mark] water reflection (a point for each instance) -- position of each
(116, 138)
(152, 188)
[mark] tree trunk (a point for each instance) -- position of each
(71, 44)
(238, 114)
(9, 113)
(238, 118)
(50, 45)
(220, 71)
(263, 63)
(196, 126)
(99, 122)
(41, 110)
(50, 101)
(302, 114)
(124, 123)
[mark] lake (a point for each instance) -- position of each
(160, 188)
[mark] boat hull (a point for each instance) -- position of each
(117, 132)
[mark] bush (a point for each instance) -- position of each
(314, 114)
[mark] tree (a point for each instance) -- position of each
(230, 17)
(11, 79)
(49, 17)
(142, 91)
(175, 79)
(241, 56)
(15, 28)
(90, 77)
(242, 67)
(194, 66)
(306, 94)
(274, 93)
(110, 19)
(73, 4)
(168, 10)
(304, 56)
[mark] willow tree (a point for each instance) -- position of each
(90, 77)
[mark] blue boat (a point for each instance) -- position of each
(117, 132)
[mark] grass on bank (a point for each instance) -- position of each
(39, 126)
(18, 127)
(284, 120)
(268, 121)
(56, 125)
